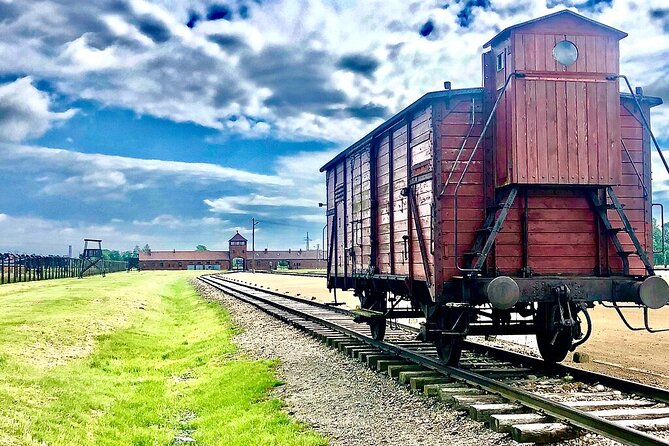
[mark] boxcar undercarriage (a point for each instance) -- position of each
(554, 308)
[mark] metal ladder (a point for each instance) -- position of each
(485, 249)
(492, 225)
(601, 209)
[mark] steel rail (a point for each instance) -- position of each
(554, 409)
(287, 273)
(655, 393)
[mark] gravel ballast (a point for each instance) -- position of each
(340, 397)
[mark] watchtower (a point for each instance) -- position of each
(92, 256)
(238, 251)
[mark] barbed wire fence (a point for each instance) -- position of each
(28, 267)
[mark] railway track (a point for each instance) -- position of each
(289, 273)
(510, 392)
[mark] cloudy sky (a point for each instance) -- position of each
(174, 122)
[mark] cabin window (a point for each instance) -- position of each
(499, 64)
(565, 52)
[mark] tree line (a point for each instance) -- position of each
(660, 258)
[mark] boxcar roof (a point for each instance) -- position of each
(564, 12)
(652, 101)
(399, 116)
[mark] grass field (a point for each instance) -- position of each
(130, 359)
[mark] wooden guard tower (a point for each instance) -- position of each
(92, 256)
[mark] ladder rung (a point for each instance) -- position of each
(472, 253)
(615, 230)
(626, 253)
(609, 206)
(486, 229)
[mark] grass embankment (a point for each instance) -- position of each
(133, 358)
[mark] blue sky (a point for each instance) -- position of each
(173, 123)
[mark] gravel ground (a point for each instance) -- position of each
(346, 401)
(341, 398)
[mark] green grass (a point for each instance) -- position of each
(130, 359)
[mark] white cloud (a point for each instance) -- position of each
(172, 222)
(80, 57)
(99, 51)
(306, 191)
(244, 204)
(31, 234)
(117, 175)
(24, 111)
(145, 198)
(311, 218)
(182, 78)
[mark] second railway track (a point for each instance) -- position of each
(510, 392)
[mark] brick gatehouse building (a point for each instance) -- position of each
(237, 257)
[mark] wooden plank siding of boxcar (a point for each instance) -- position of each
(561, 235)
(471, 194)
(561, 128)
(562, 226)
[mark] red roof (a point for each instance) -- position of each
(184, 255)
(285, 255)
(563, 13)
(238, 238)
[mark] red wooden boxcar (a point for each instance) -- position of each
(507, 209)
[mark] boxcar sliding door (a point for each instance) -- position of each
(421, 205)
(339, 218)
(359, 223)
(400, 210)
(384, 191)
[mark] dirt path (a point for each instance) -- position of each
(632, 352)
(613, 349)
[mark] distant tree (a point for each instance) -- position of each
(136, 251)
(146, 249)
(659, 244)
(111, 254)
(200, 248)
(127, 255)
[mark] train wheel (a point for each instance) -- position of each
(378, 329)
(376, 301)
(553, 340)
(449, 349)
